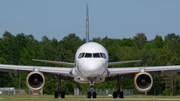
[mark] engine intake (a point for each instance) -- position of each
(143, 81)
(35, 81)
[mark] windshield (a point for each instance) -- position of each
(96, 55)
(103, 55)
(88, 55)
(81, 55)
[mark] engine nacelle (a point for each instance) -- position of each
(143, 81)
(35, 81)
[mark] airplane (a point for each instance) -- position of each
(90, 67)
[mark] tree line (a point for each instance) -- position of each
(21, 49)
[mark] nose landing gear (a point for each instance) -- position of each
(91, 91)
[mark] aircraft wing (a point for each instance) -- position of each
(26, 69)
(133, 70)
(122, 62)
(55, 62)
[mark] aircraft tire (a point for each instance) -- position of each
(121, 95)
(62, 94)
(88, 94)
(56, 94)
(94, 95)
(114, 94)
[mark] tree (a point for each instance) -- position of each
(98, 40)
(158, 83)
(172, 36)
(174, 46)
(167, 57)
(2, 51)
(140, 40)
(171, 80)
(7, 35)
(158, 42)
(29, 52)
(149, 57)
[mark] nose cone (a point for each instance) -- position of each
(92, 68)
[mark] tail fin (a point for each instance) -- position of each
(87, 25)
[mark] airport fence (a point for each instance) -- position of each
(108, 92)
(103, 91)
(125, 91)
(12, 91)
(151, 92)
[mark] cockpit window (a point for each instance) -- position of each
(96, 55)
(88, 55)
(103, 55)
(81, 55)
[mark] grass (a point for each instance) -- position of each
(84, 96)
(150, 96)
(70, 98)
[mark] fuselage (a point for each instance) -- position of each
(91, 61)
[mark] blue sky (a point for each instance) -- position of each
(112, 18)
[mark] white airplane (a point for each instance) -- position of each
(90, 67)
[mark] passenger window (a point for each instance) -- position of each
(81, 55)
(88, 55)
(103, 55)
(96, 55)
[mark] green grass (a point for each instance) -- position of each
(66, 100)
(84, 96)
(150, 96)
(70, 98)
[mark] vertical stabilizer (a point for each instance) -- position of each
(87, 25)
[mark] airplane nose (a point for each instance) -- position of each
(92, 68)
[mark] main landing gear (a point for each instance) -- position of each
(91, 90)
(59, 92)
(118, 93)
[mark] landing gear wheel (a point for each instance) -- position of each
(56, 94)
(88, 94)
(121, 95)
(114, 94)
(62, 94)
(118, 92)
(94, 95)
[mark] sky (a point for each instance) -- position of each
(112, 18)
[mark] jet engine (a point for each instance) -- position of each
(35, 81)
(143, 81)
